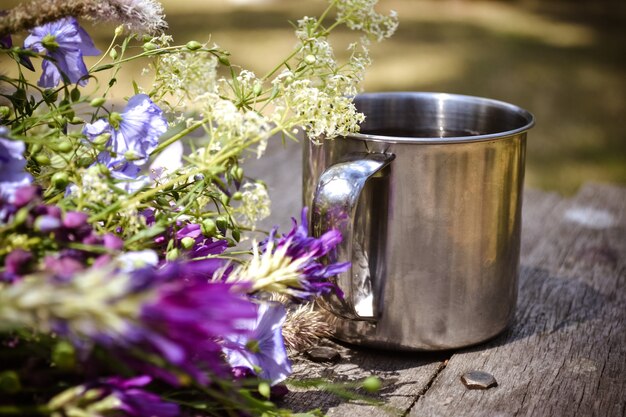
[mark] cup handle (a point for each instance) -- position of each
(334, 207)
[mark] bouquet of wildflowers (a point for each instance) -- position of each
(129, 282)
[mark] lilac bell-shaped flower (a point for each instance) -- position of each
(134, 134)
(262, 348)
(65, 43)
(12, 165)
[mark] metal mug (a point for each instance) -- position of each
(428, 197)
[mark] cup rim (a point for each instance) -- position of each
(528, 116)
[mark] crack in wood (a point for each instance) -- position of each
(430, 382)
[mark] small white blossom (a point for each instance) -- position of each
(271, 270)
(185, 76)
(255, 203)
(360, 15)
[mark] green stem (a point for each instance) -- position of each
(17, 410)
(176, 137)
(280, 65)
(106, 53)
(153, 191)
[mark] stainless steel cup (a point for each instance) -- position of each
(428, 198)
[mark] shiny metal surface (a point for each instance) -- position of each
(428, 197)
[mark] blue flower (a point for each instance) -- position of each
(64, 43)
(12, 164)
(132, 139)
(262, 348)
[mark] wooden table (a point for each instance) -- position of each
(565, 354)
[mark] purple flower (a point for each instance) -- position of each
(262, 349)
(314, 277)
(75, 219)
(12, 165)
(198, 245)
(114, 395)
(25, 195)
(189, 316)
(136, 402)
(64, 43)
(134, 137)
(112, 242)
(16, 264)
(7, 43)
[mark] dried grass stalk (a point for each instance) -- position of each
(139, 16)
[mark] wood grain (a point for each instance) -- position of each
(565, 354)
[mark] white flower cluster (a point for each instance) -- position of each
(93, 187)
(323, 113)
(360, 15)
(272, 270)
(184, 76)
(232, 127)
(255, 203)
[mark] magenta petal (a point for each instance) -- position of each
(75, 219)
(113, 242)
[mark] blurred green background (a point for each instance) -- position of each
(565, 61)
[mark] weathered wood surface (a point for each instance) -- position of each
(566, 351)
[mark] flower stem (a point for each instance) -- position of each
(176, 137)
(18, 410)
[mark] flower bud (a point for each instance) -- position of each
(257, 89)
(5, 112)
(225, 199)
(172, 254)
(264, 389)
(222, 223)
(97, 102)
(50, 95)
(64, 356)
(310, 59)
(223, 59)
(131, 155)
(208, 228)
(237, 196)
(149, 46)
(193, 45)
(76, 121)
(60, 180)
(236, 235)
(75, 94)
(42, 159)
(20, 217)
(10, 382)
(63, 145)
(104, 170)
(101, 139)
(84, 162)
(119, 30)
(371, 384)
(187, 242)
(35, 148)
